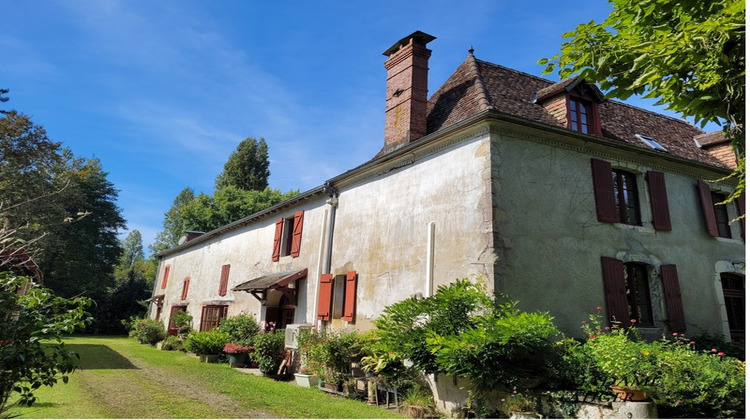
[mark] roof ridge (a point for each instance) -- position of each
(518, 71)
(483, 99)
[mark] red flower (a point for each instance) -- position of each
(721, 353)
(606, 328)
(598, 308)
(674, 334)
(713, 350)
(592, 336)
(633, 321)
(692, 342)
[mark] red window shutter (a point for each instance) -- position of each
(657, 190)
(704, 192)
(741, 210)
(164, 280)
(277, 240)
(613, 273)
(325, 297)
(185, 286)
(672, 297)
(297, 233)
(350, 296)
(224, 280)
(604, 192)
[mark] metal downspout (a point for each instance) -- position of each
(333, 202)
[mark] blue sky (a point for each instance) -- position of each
(163, 91)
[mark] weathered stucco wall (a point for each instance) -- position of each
(382, 224)
(248, 249)
(550, 241)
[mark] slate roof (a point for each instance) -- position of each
(478, 85)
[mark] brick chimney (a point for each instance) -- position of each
(406, 90)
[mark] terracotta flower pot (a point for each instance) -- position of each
(629, 394)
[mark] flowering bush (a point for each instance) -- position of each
(682, 381)
(146, 331)
(241, 329)
(269, 351)
(234, 348)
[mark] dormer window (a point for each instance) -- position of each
(580, 112)
(574, 104)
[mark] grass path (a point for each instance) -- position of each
(119, 378)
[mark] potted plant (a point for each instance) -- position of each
(619, 352)
(270, 352)
(518, 405)
(206, 344)
(305, 377)
(339, 351)
(418, 403)
(238, 354)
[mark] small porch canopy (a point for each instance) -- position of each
(156, 299)
(280, 282)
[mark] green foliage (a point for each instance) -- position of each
(206, 342)
(681, 381)
(173, 224)
(146, 331)
(310, 346)
(247, 167)
(340, 350)
(462, 331)
(182, 320)
(269, 351)
(696, 384)
(228, 204)
(32, 351)
(419, 403)
(690, 55)
(241, 329)
(172, 343)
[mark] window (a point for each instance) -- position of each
(627, 292)
(288, 236)
(638, 294)
(224, 279)
(650, 142)
(580, 114)
(337, 297)
(164, 279)
(715, 215)
(185, 287)
(626, 197)
(722, 216)
(172, 328)
(615, 194)
(211, 316)
(734, 299)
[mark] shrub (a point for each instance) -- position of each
(269, 351)
(183, 321)
(206, 342)
(241, 329)
(697, 384)
(146, 331)
(173, 343)
(339, 351)
(312, 357)
(464, 332)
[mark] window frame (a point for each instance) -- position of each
(578, 107)
(627, 200)
(732, 294)
(638, 293)
(721, 214)
(217, 312)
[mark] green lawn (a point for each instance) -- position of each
(120, 378)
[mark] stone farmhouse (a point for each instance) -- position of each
(545, 191)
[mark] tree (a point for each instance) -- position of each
(173, 224)
(688, 54)
(247, 167)
(132, 250)
(228, 204)
(32, 322)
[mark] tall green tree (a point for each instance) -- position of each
(247, 167)
(228, 204)
(687, 54)
(173, 224)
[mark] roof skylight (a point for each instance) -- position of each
(650, 142)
